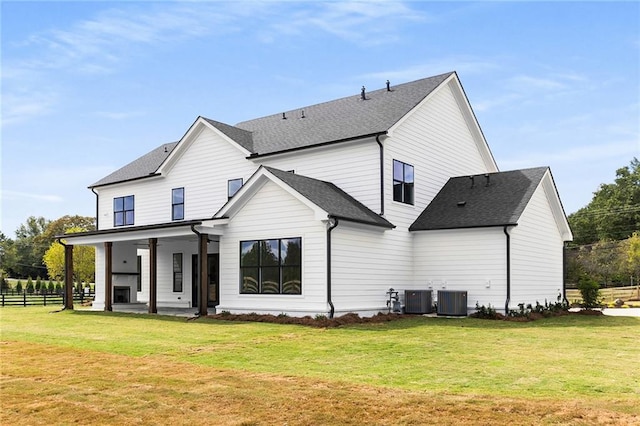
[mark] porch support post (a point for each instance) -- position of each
(108, 276)
(153, 275)
(203, 240)
(68, 276)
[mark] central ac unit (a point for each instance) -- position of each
(417, 302)
(452, 302)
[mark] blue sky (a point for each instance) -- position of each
(89, 86)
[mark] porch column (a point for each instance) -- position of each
(108, 276)
(204, 274)
(153, 275)
(68, 277)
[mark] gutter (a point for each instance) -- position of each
(506, 303)
(93, 190)
(329, 229)
(381, 173)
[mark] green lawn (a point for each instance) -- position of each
(591, 360)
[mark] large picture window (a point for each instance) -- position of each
(123, 211)
(402, 182)
(177, 272)
(271, 266)
(177, 204)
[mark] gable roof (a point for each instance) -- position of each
(338, 120)
(334, 121)
(468, 202)
(145, 166)
(326, 196)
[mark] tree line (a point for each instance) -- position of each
(36, 253)
(606, 232)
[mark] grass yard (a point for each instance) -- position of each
(105, 368)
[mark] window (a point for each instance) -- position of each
(139, 262)
(177, 204)
(271, 266)
(233, 186)
(177, 272)
(123, 211)
(402, 182)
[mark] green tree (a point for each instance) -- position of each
(83, 260)
(19, 287)
(614, 211)
(30, 246)
(30, 288)
(8, 255)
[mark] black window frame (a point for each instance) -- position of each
(229, 182)
(120, 210)
(258, 272)
(403, 187)
(178, 269)
(174, 204)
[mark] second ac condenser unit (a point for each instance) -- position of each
(417, 302)
(451, 302)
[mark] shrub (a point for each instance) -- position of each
(51, 287)
(58, 287)
(590, 292)
(38, 284)
(30, 288)
(19, 287)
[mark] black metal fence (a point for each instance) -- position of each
(14, 298)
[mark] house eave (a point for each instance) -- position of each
(450, 228)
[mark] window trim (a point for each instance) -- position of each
(405, 185)
(124, 211)
(229, 194)
(178, 275)
(261, 268)
(174, 204)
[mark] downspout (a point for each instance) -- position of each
(381, 174)
(332, 226)
(506, 303)
(93, 190)
(564, 273)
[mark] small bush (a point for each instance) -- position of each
(30, 288)
(51, 287)
(19, 287)
(590, 292)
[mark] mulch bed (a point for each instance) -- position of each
(347, 319)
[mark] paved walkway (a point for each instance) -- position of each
(622, 312)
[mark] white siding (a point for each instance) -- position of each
(203, 170)
(536, 254)
(465, 259)
(364, 268)
(274, 213)
(436, 140)
(354, 167)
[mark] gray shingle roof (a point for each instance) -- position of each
(333, 121)
(461, 205)
(144, 166)
(331, 199)
(340, 119)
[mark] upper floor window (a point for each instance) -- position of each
(233, 186)
(271, 266)
(402, 182)
(177, 204)
(123, 211)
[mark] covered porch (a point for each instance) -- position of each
(169, 267)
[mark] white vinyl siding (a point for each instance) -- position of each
(473, 260)
(354, 167)
(273, 213)
(203, 170)
(436, 141)
(364, 268)
(536, 254)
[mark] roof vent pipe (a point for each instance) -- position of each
(284, 116)
(363, 95)
(302, 116)
(165, 148)
(472, 180)
(388, 86)
(488, 177)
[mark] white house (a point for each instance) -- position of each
(323, 209)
